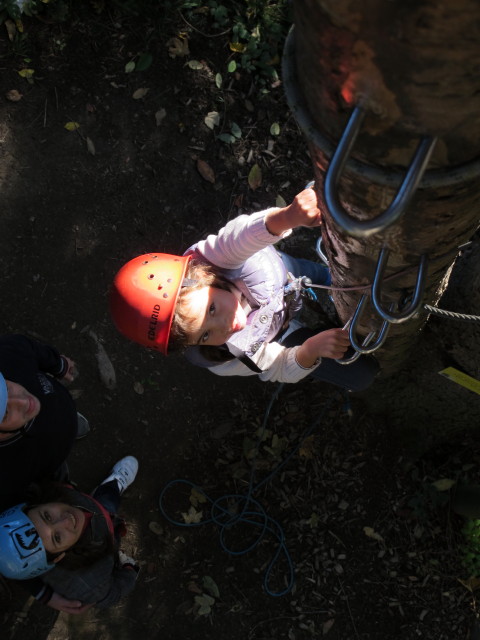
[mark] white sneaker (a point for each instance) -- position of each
(83, 427)
(124, 472)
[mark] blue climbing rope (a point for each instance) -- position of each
(233, 509)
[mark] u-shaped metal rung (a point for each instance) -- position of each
(365, 228)
(320, 252)
(415, 304)
(382, 334)
(357, 354)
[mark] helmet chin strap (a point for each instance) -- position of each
(22, 430)
(188, 282)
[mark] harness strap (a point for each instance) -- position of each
(249, 363)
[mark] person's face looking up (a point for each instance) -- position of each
(22, 407)
(59, 525)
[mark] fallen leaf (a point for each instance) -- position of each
(314, 520)
(371, 533)
(156, 528)
(238, 47)
(194, 588)
(105, 367)
(130, 66)
(218, 80)
(444, 484)
(471, 583)
(140, 93)
(206, 171)
(178, 47)
(255, 177)
(144, 61)
(211, 586)
(308, 447)
(160, 116)
(212, 119)
(11, 29)
(90, 146)
(280, 202)
(138, 388)
(205, 602)
(227, 138)
(197, 497)
(13, 95)
(196, 65)
(26, 73)
(193, 516)
(275, 129)
(327, 626)
(72, 126)
(236, 131)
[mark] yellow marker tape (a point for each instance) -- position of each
(472, 384)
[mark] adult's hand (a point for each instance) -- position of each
(72, 370)
(74, 607)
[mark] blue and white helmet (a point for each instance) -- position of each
(3, 397)
(22, 554)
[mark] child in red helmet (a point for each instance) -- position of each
(230, 301)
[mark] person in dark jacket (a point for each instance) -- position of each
(38, 417)
(66, 547)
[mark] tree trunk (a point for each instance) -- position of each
(413, 67)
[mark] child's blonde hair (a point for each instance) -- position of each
(203, 275)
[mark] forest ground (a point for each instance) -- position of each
(374, 543)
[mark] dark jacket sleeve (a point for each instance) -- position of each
(48, 358)
(103, 584)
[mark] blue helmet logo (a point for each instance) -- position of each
(23, 555)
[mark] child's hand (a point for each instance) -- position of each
(332, 343)
(303, 211)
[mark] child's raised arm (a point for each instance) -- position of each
(302, 212)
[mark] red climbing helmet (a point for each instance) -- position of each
(144, 295)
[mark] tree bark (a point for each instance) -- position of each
(413, 66)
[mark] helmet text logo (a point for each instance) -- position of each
(152, 325)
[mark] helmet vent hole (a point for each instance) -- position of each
(169, 280)
(151, 276)
(145, 262)
(165, 295)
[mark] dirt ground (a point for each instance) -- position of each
(374, 544)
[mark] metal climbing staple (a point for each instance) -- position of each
(355, 356)
(415, 304)
(366, 347)
(365, 228)
(320, 252)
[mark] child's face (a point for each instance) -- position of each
(59, 525)
(216, 313)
